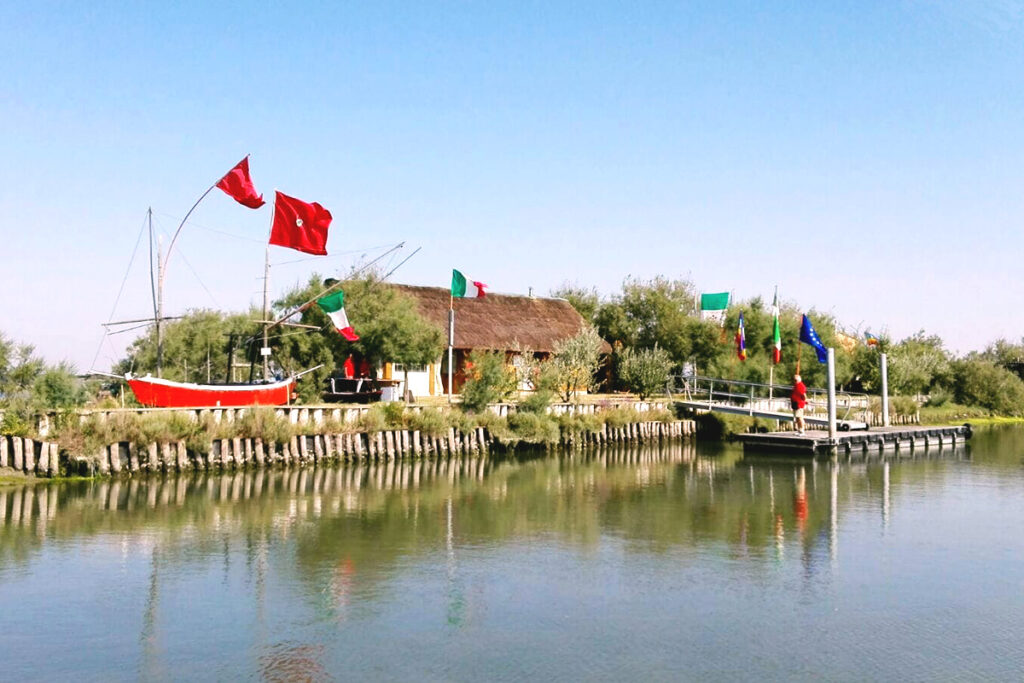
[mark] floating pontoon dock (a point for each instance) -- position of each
(817, 443)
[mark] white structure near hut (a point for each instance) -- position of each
(496, 322)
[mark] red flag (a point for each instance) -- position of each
(238, 185)
(300, 226)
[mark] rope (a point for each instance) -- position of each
(120, 291)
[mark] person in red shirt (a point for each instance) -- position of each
(798, 400)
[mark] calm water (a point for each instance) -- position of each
(678, 563)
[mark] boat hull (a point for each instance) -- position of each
(153, 392)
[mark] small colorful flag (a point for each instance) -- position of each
(237, 184)
(776, 334)
(870, 339)
(713, 306)
(466, 289)
(300, 225)
(334, 306)
(741, 340)
(809, 336)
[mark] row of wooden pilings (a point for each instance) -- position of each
(224, 454)
(30, 456)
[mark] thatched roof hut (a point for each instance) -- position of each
(500, 321)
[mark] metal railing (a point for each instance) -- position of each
(758, 396)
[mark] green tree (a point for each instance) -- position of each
(980, 382)
(58, 388)
(917, 364)
(645, 371)
(19, 369)
(585, 300)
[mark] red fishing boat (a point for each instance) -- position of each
(154, 392)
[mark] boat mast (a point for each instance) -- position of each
(265, 350)
(156, 285)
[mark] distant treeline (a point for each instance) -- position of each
(651, 325)
(645, 313)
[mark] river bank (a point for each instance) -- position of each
(129, 442)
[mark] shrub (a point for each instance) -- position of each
(490, 380)
(394, 414)
(495, 425)
(373, 420)
(574, 425)
(429, 421)
(534, 428)
(545, 385)
(261, 423)
(619, 417)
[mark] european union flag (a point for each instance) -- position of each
(809, 336)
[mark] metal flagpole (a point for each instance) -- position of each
(265, 349)
(451, 341)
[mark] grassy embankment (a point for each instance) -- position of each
(85, 438)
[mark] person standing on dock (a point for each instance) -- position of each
(798, 400)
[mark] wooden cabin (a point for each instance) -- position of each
(496, 322)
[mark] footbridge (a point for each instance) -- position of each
(768, 401)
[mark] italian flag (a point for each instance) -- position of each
(334, 306)
(466, 289)
(776, 335)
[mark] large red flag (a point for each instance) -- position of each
(238, 185)
(300, 226)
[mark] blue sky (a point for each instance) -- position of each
(865, 157)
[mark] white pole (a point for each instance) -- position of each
(451, 342)
(885, 389)
(831, 394)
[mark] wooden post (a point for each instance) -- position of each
(182, 456)
(30, 455)
(115, 458)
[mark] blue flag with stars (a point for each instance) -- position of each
(809, 336)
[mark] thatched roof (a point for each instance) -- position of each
(498, 321)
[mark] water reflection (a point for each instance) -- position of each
(286, 561)
(653, 497)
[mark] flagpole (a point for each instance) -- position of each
(265, 349)
(451, 341)
(799, 350)
(201, 198)
(771, 368)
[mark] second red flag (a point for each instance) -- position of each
(300, 225)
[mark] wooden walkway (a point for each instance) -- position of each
(817, 443)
